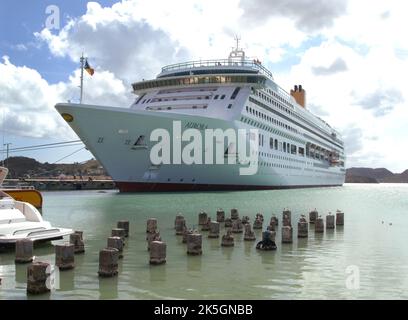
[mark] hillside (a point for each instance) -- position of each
(23, 167)
(378, 174)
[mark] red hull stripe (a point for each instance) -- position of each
(165, 187)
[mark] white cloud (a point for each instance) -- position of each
(28, 100)
(354, 77)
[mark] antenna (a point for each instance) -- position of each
(237, 39)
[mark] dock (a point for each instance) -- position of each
(62, 185)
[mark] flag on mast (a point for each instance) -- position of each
(88, 68)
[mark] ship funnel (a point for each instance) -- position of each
(299, 94)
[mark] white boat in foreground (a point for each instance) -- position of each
(19, 220)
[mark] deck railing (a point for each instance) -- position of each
(218, 63)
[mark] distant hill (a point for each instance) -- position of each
(23, 167)
(377, 175)
(397, 178)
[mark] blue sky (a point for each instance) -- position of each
(348, 55)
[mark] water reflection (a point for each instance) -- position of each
(267, 257)
(194, 263)
(214, 243)
(21, 274)
(302, 243)
(108, 288)
(248, 245)
(66, 279)
(157, 273)
(227, 252)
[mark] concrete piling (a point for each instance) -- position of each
(330, 221)
(186, 232)
(228, 223)
(303, 227)
(77, 240)
(245, 220)
(150, 237)
(24, 251)
(116, 243)
(194, 244)
(157, 252)
(268, 241)
(227, 239)
(249, 235)
(234, 214)
(202, 218)
(214, 230)
(64, 256)
(206, 226)
(273, 223)
(119, 232)
(319, 225)
(287, 234)
(286, 218)
(259, 216)
(313, 216)
(108, 262)
(339, 218)
(180, 223)
(257, 223)
(274, 220)
(151, 225)
(124, 224)
(237, 226)
(220, 215)
(37, 275)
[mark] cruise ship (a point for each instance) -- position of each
(295, 148)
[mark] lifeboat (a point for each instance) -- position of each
(25, 194)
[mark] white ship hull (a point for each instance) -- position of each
(106, 130)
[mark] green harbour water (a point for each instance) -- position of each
(374, 240)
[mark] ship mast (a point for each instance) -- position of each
(82, 78)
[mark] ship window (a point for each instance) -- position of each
(247, 108)
(216, 97)
(276, 144)
(271, 143)
(144, 101)
(284, 147)
(100, 140)
(229, 106)
(293, 149)
(234, 94)
(223, 96)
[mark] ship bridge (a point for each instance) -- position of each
(235, 69)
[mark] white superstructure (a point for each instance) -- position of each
(296, 148)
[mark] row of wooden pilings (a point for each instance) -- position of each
(38, 272)
(234, 224)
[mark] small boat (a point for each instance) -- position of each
(23, 193)
(20, 220)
